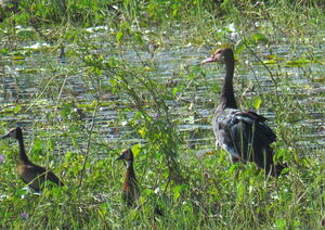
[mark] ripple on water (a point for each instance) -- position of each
(194, 106)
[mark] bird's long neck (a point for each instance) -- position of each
(22, 153)
(227, 94)
(130, 174)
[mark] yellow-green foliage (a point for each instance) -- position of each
(130, 74)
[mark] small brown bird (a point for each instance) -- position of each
(33, 175)
(130, 188)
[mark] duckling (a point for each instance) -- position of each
(131, 191)
(33, 175)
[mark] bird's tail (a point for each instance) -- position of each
(277, 169)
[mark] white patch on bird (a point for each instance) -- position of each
(218, 145)
(128, 164)
(231, 150)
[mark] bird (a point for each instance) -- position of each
(243, 134)
(33, 175)
(130, 189)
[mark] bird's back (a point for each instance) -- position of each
(244, 135)
(35, 175)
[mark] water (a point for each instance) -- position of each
(41, 75)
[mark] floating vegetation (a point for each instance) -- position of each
(89, 79)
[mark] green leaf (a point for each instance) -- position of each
(142, 132)
(257, 102)
(17, 109)
(177, 191)
(37, 146)
(298, 62)
(258, 37)
(241, 191)
(138, 37)
(4, 51)
(136, 149)
(119, 36)
(175, 91)
(17, 58)
(281, 224)
(66, 110)
(270, 62)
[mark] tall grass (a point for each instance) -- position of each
(72, 133)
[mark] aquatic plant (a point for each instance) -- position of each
(90, 78)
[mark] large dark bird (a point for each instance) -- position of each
(244, 135)
(33, 175)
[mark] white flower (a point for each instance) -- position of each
(2, 158)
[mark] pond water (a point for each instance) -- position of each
(32, 77)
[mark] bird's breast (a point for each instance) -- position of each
(29, 175)
(21, 169)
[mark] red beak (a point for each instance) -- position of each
(208, 60)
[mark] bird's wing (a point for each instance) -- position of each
(255, 123)
(241, 132)
(44, 174)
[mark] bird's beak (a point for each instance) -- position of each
(5, 136)
(208, 60)
(121, 157)
(217, 57)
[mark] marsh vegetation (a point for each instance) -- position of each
(89, 79)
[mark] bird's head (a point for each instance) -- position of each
(223, 55)
(126, 155)
(13, 133)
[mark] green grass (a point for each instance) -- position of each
(114, 74)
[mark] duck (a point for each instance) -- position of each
(130, 190)
(33, 175)
(243, 134)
